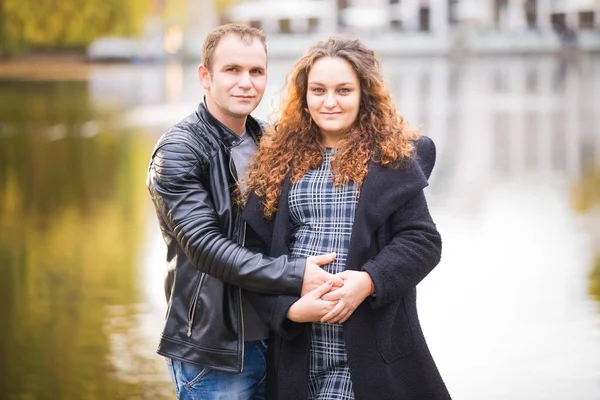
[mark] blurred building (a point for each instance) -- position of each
(391, 27)
(429, 16)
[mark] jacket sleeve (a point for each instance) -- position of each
(272, 310)
(183, 202)
(413, 251)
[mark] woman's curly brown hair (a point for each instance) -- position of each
(293, 144)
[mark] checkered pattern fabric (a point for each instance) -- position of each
(322, 217)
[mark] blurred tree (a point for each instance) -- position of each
(595, 278)
(585, 197)
(69, 25)
(55, 24)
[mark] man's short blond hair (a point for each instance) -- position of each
(246, 33)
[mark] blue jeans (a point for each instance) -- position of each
(194, 382)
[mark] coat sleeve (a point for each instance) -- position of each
(185, 206)
(413, 251)
(272, 310)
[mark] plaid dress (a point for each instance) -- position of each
(322, 218)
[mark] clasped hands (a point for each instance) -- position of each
(326, 297)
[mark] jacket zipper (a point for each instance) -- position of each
(241, 306)
(192, 310)
(235, 177)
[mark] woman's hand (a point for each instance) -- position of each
(357, 286)
(311, 307)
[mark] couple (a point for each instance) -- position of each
(297, 253)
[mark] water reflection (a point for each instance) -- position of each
(509, 311)
(72, 207)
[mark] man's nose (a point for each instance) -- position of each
(244, 82)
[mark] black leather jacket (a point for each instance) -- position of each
(191, 179)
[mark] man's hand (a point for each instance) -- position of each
(311, 307)
(357, 286)
(314, 276)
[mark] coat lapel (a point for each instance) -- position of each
(274, 232)
(254, 217)
(282, 231)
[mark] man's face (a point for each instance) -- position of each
(236, 82)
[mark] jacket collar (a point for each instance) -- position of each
(223, 133)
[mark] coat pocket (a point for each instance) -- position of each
(395, 338)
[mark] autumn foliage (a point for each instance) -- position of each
(67, 24)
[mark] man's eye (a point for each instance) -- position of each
(232, 69)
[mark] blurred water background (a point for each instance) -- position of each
(511, 312)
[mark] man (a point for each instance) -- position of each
(212, 339)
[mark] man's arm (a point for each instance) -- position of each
(272, 310)
(286, 315)
(182, 200)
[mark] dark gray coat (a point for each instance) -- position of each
(395, 240)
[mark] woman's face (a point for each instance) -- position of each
(333, 97)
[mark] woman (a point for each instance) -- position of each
(341, 171)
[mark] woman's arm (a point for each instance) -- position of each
(414, 250)
(357, 287)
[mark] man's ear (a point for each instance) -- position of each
(204, 76)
